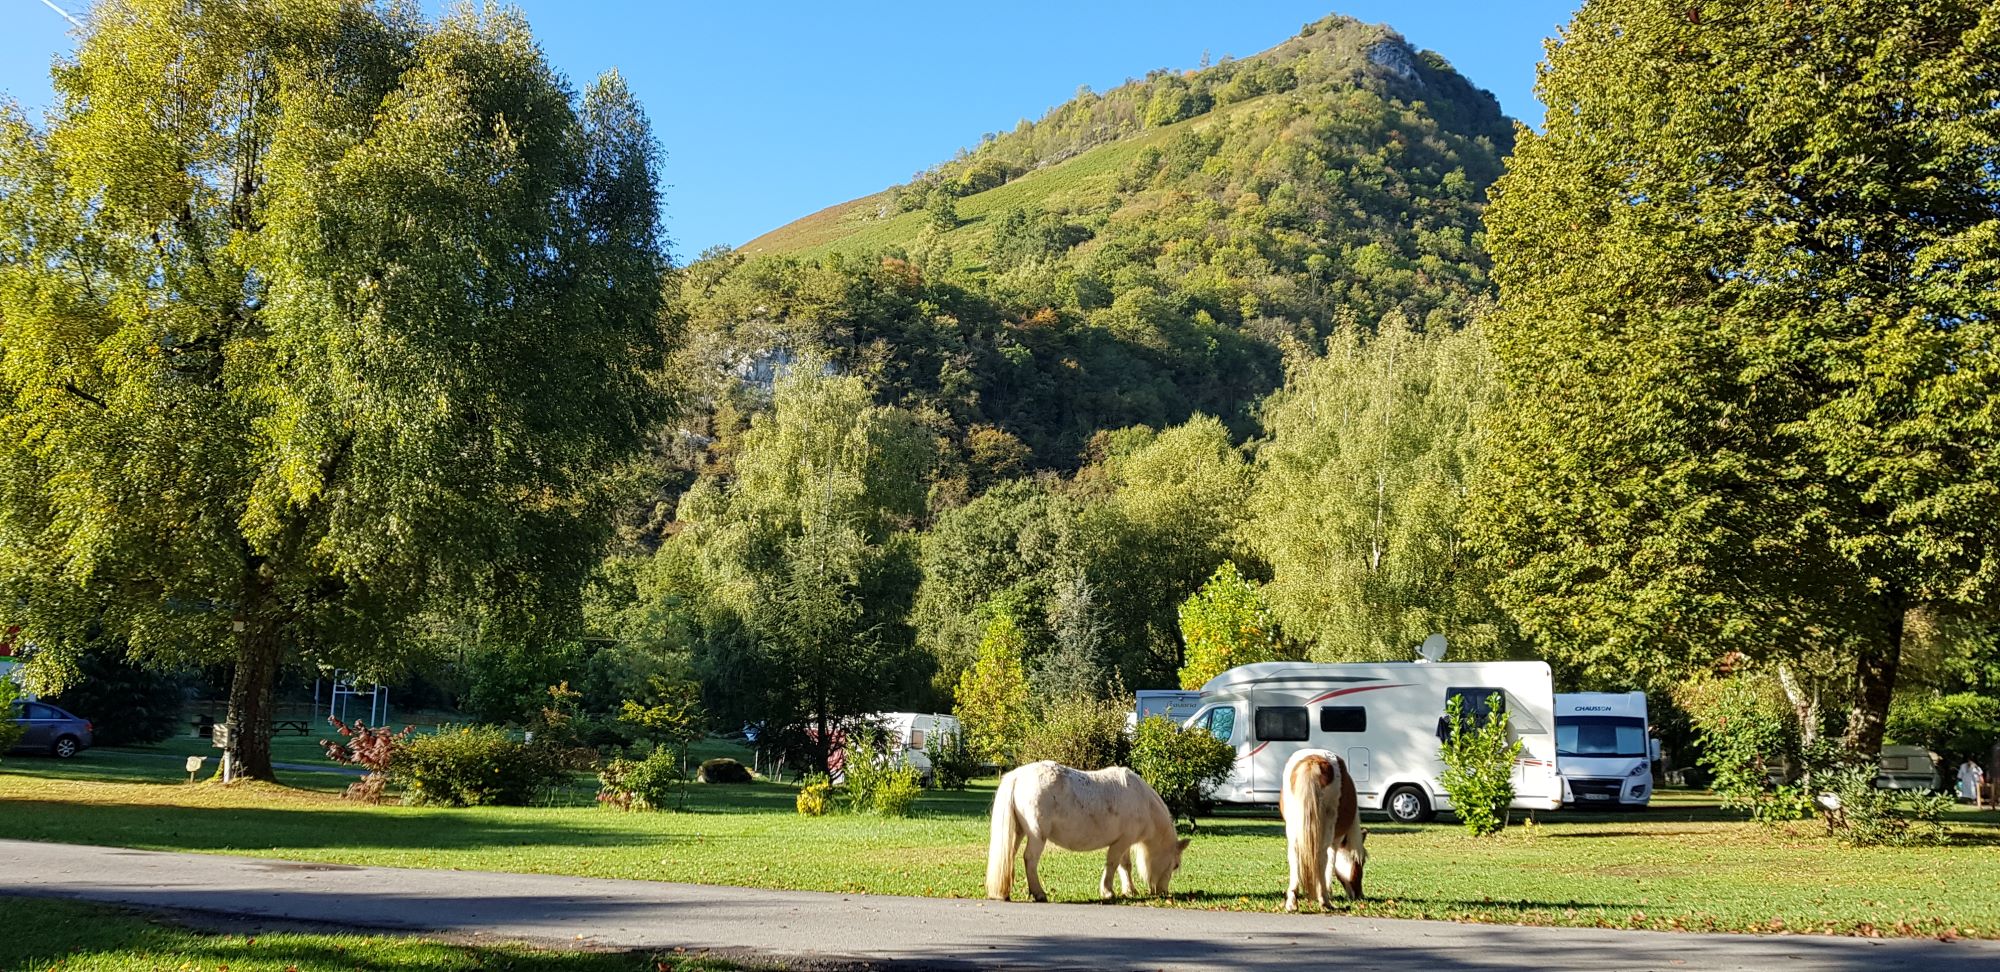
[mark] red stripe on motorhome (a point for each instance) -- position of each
(1336, 693)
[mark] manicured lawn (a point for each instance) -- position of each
(77, 937)
(1681, 865)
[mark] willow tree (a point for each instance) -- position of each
(314, 315)
(1749, 278)
(1362, 478)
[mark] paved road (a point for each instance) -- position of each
(911, 933)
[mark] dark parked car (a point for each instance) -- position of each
(50, 730)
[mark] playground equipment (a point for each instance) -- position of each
(343, 689)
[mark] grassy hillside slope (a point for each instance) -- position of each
(1079, 184)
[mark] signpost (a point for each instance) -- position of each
(225, 740)
(194, 766)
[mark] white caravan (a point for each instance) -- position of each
(1385, 718)
(1604, 749)
(909, 734)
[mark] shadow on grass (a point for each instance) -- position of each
(222, 828)
(957, 935)
(55, 934)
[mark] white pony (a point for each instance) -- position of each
(1324, 839)
(1049, 803)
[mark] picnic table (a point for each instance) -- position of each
(204, 727)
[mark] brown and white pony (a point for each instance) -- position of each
(1324, 839)
(1048, 803)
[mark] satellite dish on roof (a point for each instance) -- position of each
(1432, 649)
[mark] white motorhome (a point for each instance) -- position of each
(1170, 703)
(1604, 749)
(1385, 718)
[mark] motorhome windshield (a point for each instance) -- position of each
(1600, 736)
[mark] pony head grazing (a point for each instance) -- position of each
(1348, 862)
(1159, 857)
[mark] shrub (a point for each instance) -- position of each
(642, 784)
(815, 794)
(373, 748)
(1478, 765)
(952, 762)
(1863, 816)
(1081, 732)
(1180, 764)
(1747, 732)
(10, 731)
(723, 770)
(473, 766)
(896, 791)
(860, 774)
(669, 713)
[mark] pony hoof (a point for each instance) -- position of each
(1043, 898)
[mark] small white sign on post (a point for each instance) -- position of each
(224, 740)
(194, 766)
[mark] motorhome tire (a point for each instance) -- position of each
(1408, 804)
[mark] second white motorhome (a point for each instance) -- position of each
(1604, 748)
(1172, 704)
(1385, 719)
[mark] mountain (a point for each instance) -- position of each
(1133, 257)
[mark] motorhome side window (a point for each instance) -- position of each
(1343, 718)
(1283, 723)
(1222, 723)
(1478, 704)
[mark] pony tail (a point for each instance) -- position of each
(1306, 836)
(1000, 847)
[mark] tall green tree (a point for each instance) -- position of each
(992, 695)
(1362, 477)
(312, 315)
(1748, 302)
(808, 564)
(1177, 506)
(1226, 624)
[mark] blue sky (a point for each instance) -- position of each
(771, 110)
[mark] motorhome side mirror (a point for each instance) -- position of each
(1653, 749)
(1444, 730)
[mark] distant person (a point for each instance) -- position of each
(1970, 779)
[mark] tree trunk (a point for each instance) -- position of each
(1875, 682)
(258, 652)
(1805, 708)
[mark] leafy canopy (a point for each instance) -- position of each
(312, 316)
(1746, 332)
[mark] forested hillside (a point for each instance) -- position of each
(1137, 256)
